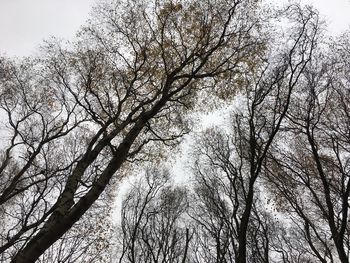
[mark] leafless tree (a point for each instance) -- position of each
(229, 168)
(152, 221)
(310, 171)
(78, 112)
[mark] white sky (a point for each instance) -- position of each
(335, 12)
(24, 24)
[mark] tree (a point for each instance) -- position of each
(310, 172)
(152, 222)
(229, 168)
(79, 112)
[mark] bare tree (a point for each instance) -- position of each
(228, 168)
(310, 171)
(77, 113)
(152, 222)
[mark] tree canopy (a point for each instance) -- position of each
(77, 120)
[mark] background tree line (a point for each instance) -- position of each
(272, 186)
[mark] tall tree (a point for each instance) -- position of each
(152, 222)
(78, 112)
(229, 168)
(310, 171)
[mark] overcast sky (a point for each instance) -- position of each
(25, 23)
(336, 13)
